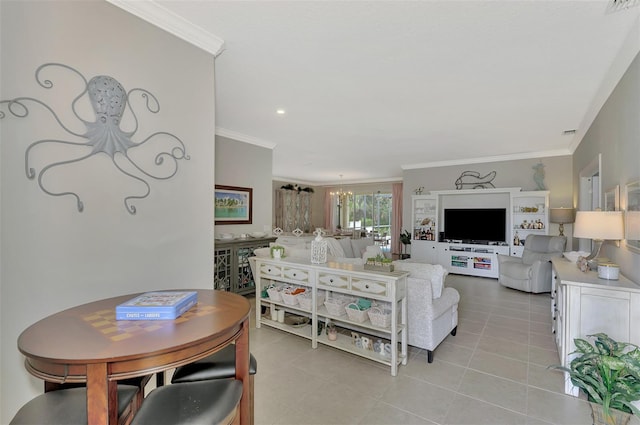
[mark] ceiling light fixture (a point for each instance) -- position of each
(341, 196)
(280, 111)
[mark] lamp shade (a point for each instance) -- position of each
(561, 215)
(599, 225)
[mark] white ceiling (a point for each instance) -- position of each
(374, 87)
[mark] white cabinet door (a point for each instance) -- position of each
(424, 251)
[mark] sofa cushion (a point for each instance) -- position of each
(360, 245)
(346, 247)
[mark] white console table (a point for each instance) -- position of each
(338, 278)
(583, 304)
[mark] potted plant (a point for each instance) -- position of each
(609, 374)
(405, 239)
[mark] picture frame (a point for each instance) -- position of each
(233, 205)
(612, 199)
(632, 215)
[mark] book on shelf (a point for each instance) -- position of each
(157, 305)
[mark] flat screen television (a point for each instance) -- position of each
(475, 225)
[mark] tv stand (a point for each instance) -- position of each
(471, 259)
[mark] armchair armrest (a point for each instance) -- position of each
(441, 305)
(540, 273)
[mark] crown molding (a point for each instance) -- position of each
(244, 138)
(498, 158)
(168, 21)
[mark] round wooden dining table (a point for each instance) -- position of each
(86, 344)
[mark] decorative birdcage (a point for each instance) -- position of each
(319, 247)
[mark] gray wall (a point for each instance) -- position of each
(54, 257)
(246, 165)
(615, 133)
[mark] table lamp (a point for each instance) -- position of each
(598, 226)
(562, 216)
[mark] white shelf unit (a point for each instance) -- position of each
(424, 234)
(346, 279)
(529, 216)
(277, 274)
(424, 218)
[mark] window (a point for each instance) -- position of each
(371, 212)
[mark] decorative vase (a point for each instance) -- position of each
(319, 247)
(332, 331)
(615, 417)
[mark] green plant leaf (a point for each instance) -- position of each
(608, 344)
(583, 346)
(613, 363)
(633, 409)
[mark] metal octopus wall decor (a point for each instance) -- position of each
(104, 135)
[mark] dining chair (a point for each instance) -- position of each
(200, 402)
(140, 382)
(219, 365)
(69, 407)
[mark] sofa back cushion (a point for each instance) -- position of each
(542, 248)
(346, 247)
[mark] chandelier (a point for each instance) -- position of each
(341, 195)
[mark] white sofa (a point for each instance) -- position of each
(343, 250)
(432, 309)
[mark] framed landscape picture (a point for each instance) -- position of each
(233, 205)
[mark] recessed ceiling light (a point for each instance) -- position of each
(280, 111)
(568, 132)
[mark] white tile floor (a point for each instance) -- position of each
(492, 372)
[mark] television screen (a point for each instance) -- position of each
(475, 225)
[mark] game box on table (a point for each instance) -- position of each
(157, 305)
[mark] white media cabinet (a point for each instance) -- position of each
(476, 260)
(326, 280)
(583, 304)
(427, 221)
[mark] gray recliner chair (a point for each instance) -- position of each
(532, 272)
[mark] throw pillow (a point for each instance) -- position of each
(346, 247)
(371, 251)
(334, 249)
(359, 246)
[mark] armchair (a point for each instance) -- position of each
(432, 309)
(532, 272)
